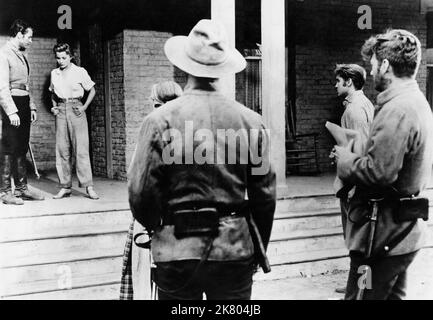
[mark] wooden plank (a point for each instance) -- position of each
(284, 228)
(45, 227)
(72, 205)
(52, 277)
(107, 100)
(306, 268)
(61, 249)
(104, 292)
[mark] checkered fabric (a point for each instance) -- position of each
(126, 291)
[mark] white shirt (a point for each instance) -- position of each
(70, 84)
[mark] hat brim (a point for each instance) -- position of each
(174, 49)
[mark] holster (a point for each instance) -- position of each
(196, 222)
(412, 208)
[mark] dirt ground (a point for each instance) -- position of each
(322, 287)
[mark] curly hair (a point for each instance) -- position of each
(352, 71)
(63, 47)
(400, 47)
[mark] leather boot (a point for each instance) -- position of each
(9, 198)
(20, 173)
(6, 173)
(27, 194)
(20, 178)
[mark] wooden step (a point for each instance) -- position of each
(62, 250)
(101, 292)
(67, 225)
(307, 203)
(55, 276)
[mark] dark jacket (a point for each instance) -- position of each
(155, 185)
(398, 158)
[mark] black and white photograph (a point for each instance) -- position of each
(219, 150)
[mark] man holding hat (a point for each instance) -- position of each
(195, 209)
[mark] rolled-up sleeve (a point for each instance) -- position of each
(86, 81)
(145, 176)
(384, 155)
(6, 100)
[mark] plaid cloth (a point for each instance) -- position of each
(126, 291)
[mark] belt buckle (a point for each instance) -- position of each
(27, 87)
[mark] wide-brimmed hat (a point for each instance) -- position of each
(205, 51)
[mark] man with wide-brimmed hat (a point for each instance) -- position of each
(196, 158)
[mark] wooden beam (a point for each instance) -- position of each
(107, 100)
(224, 12)
(274, 83)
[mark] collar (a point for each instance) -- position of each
(395, 91)
(202, 87)
(352, 96)
(58, 71)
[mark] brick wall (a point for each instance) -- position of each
(43, 136)
(118, 120)
(326, 34)
(95, 67)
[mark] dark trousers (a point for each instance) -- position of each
(219, 280)
(388, 276)
(14, 145)
(344, 205)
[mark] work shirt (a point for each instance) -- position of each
(14, 70)
(399, 155)
(358, 115)
(70, 84)
(154, 185)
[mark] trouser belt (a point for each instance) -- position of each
(20, 86)
(69, 100)
(222, 211)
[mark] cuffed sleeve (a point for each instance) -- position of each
(86, 81)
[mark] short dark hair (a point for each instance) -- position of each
(63, 47)
(19, 26)
(400, 47)
(351, 71)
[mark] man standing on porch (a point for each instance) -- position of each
(18, 113)
(201, 240)
(384, 231)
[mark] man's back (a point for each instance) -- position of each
(202, 150)
(221, 178)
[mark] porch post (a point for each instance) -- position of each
(224, 12)
(273, 83)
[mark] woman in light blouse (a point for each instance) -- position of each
(68, 84)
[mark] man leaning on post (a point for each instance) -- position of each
(384, 229)
(18, 113)
(196, 212)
